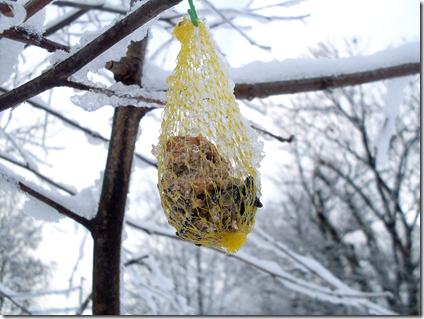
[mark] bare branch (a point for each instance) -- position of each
(63, 210)
(279, 138)
(87, 7)
(66, 21)
(15, 303)
(84, 305)
(262, 90)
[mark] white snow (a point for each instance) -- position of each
(85, 203)
(124, 95)
(392, 105)
(9, 55)
(19, 15)
(301, 68)
(10, 50)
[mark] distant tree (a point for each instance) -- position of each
(20, 270)
(357, 218)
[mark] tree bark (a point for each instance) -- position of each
(107, 226)
(262, 90)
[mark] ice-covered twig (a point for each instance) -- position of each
(109, 93)
(63, 210)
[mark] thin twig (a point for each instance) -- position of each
(107, 92)
(15, 303)
(67, 20)
(292, 280)
(86, 6)
(84, 305)
(44, 178)
(84, 129)
(279, 138)
(63, 210)
(251, 41)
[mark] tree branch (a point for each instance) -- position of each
(33, 6)
(87, 7)
(84, 305)
(63, 210)
(108, 223)
(279, 138)
(90, 132)
(22, 35)
(66, 21)
(15, 303)
(57, 75)
(262, 90)
(44, 178)
(107, 92)
(285, 277)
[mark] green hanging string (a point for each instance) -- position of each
(192, 13)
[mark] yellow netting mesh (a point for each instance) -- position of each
(208, 156)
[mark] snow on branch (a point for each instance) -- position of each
(91, 50)
(51, 206)
(341, 295)
(263, 79)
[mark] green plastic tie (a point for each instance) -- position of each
(192, 13)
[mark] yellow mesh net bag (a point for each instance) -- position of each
(208, 156)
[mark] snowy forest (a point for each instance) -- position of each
(82, 228)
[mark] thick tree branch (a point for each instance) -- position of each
(108, 224)
(63, 210)
(262, 90)
(57, 75)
